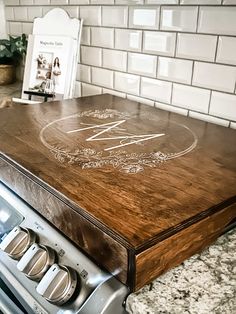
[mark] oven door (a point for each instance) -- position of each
(9, 302)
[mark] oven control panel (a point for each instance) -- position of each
(47, 267)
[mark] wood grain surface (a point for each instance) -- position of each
(178, 172)
(174, 250)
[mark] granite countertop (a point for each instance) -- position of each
(203, 284)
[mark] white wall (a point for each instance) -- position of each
(178, 55)
(3, 32)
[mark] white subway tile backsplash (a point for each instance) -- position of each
(90, 90)
(115, 59)
(161, 2)
(20, 13)
(114, 16)
(191, 97)
(214, 76)
(223, 105)
(102, 37)
(83, 73)
(175, 70)
(41, 2)
(141, 100)
(34, 12)
(226, 50)
(229, 2)
(102, 77)
(196, 47)
(79, 2)
(203, 2)
(56, 2)
(73, 11)
(208, 118)
(142, 64)
(162, 43)
(181, 18)
(9, 13)
(162, 106)
(91, 55)
(15, 28)
(102, 1)
(144, 17)
(127, 83)
(91, 15)
(77, 91)
(217, 20)
(126, 39)
(156, 89)
(113, 92)
(46, 9)
(27, 28)
(11, 2)
(179, 53)
(26, 2)
(85, 35)
(129, 1)
(233, 125)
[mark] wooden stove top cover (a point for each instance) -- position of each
(137, 172)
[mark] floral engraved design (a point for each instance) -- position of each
(88, 158)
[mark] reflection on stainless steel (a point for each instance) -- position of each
(74, 284)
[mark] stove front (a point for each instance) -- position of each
(43, 272)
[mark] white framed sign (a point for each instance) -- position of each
(52, 56)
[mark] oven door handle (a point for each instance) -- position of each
(7, 306)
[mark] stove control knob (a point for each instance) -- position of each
(36, 261)
(17, 242)
(58, 284)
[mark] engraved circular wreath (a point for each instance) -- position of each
(98, 138)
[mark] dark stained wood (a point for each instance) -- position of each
(175, 249)
(134, 211)
(105, 250)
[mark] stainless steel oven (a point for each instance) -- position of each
(43, 272)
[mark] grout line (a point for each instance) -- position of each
(157, 66)
(160, 17)
(128, 17)
(176, 44)
(193, 65)
(101, 16)
(197, 22)
(217, 44)
(114, 35)
(171, 94)
(208, 110)
(142, 42)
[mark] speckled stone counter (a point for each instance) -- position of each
(203, 284)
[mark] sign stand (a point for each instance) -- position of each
(52, 57)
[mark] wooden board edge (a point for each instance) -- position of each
(172, 251)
